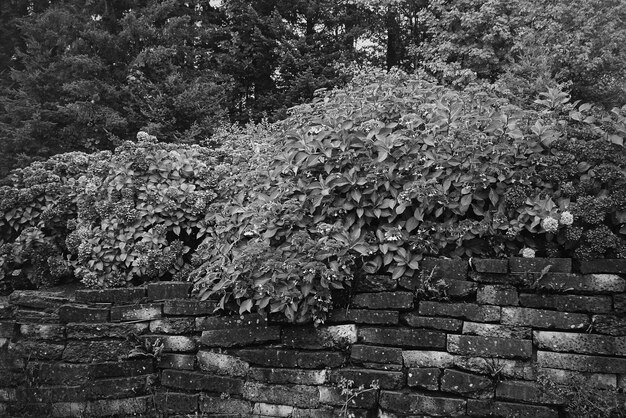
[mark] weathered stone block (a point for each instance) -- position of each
(581, 363)
(507, 368)
(123, 387)
(210, 323)
(469, 311)
(369, 353)
(173, 326)
(490, 265)
(27, 316)
(262, 409)
(402, 337)
(500, 295)
(470, 345)
(458, 289)
(619, 303)
(46, 394)
(216, 406)
(531, 265)
(168, 290)
(510, 279)
(496, 330)
(197, 381)
(117, 296)
(455, 269)
(118, 407)
(531, 392)
(489, 408)
(272, 357)
(331, 395)
(177, 361)
(467, 384)
(296, 395)
(539, 318)
(609, 324)
(566, 377)
(603, 266)
(6, 310)
(141, 312)
(419, 358)
(174, 343)
(222, 364)
(50, 332)
(576, 342)
(415, 403)
(426, 378)
(94, 331)
(127, 368)
(576, 283)
(445, 324)
(40, 373)
(189, 307)
(364, 316)
(386, 380)
(83, 313)
(240, 336)
(38, 299)
(176, 403)
(288, 376)
(40, 350)
(376, 283)
(383, 300)
(7, 329)
(382, 366)
(96, 351)
(335, 336)
(568, 303)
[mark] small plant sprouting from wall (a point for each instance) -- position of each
(350, 393)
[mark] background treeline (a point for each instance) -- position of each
(88, 74)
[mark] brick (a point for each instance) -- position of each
(566, 377)
(376, 283)
(127, 368)
(470, 345)
(445, 324)
(619, 303)
(490, 265)
(510, 279)
(118, 407)
(173, 343)
(402, 337)
(38, 299)
(198, 381)
(383, 300)
(540, 318)
(368, 353)
(173, 326)
(507, 368)
(386, 379)
(189, 307)
(83, 313)
(331, 395)
(577, 343)
(222, 364)
(415, 403)
(46, 394)
(240, 336)
(261, 409)
(426, 378)
(39, 350)
(119, 387)
(335, 336)
(213, 406)
(382, 366)
(568, 303)
(577, 283)
(419, 358)
(177, 361)
(609, 324)
(96, 351)
(581, 362)
(455, 269)
(603, 266)
(50, 332)
(488, 408)
(210, 323)
(364, 316)
(27, 316)
(40, 373)
(176, 403)
(296, 395)
(523, 391)
(96, 331)
(496, 330)
(467, 384)
(7, 329)
(324, 412)
(460, 288)
(288, 376)
(271, 357)
(531, 265)
(168, 290)
(117, 296)
(141, 312)
(469, 311)
(500, 295)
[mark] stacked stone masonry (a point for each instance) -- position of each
(479, 350)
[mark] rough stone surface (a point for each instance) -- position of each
(177, 361)
(331, 395)
(445, 269)
(467, 384)
(566, 377)
(530, 392)
(419, 358)
(141, 312)
(401, 337)
(127, 368)
(375, 354)
(214, 405)
(38, 299)
(609, 324)
(376, 283)
(496, 330)
(117, 296)
(491, 266)
(240, 336)
(488, 408)
(540, 318)
(383, 300)
(176, 403)
(222, 364)
(426, 378)
(469, 311)
(581, 363)
(81, 331)
(296, 395)
(577, 343)
(507, 368)
(189, 307)
(291, 358)
(523, 265)
(364, 316)
(445, 324)
(168, 290)
(96, 351)
(567, 303)
(386, 380)
(335, 336)
(83, 313)
(415, 403)
(603, 266)
(288, 376)
(194, 381)
(470, 345)
(172, 326)
(500, 295)
(577, 283)
(210, 323)
(50, 332)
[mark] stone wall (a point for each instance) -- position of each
(474, 347)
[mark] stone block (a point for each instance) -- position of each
(83, 313)
(43, 373)
(507, 368)
(262, 410)
(445, 324)
(500, 295)
(426, 378)
(468, 311)
(567, 303)
(123, 387)
(467, 384)
(375, 354)
(38, 350)
(581, 362)
(174, 343)
(116, 296)
(609, 324)
(118, 407)
(274, 357)
(540, 318)
(577, 283)
(402, 337)
(177, 361)
(140, 312)
(524, 391)
(532, 265)
(376, 283)
(127, 368)
(6, 310)
(364, 316)
(180, 307)
(459, 289)
(293, 395)
(28, 316)
(288, 376)
(7, 329)
(240, 336)
(420, 404)
(50, 332)
(222, 364)
(470, 345)
(335, 336)
(176, 403)
(619, 303)
(331, 395)
(211, 323)
(173, 326)
(510, 279)
(496, 330)
(617, 266)
(216, 406)
(383, 300)
(109, 330)
(168, 290)
(489, 408)
(490, 265)
(576, 343)
(455, 269)
(567, 377)
(386, 379)
(96, 351)
(429, 359)
(199, 381)
(47, 394)
(38, 299)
